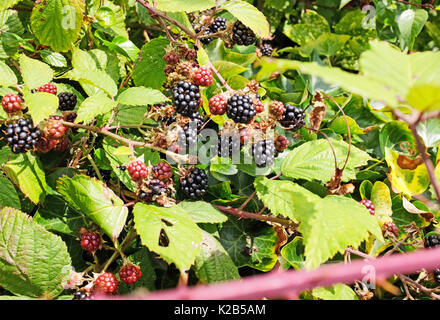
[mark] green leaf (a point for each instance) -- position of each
(169, 232)
(26, 171)
(338, 291)
(33, 261)
(293, 252)
(97, 201)
(10, 22)
(396, 135)
(57, 23)
(250, 16)
(410, 182)
(57, 216)
(249, 243)
(314, 160)
(410, 23)
(35, 73)
(402, 217)
(41, 105)
(213, 263)
(202, 212)
(311, 27)
(228, 69)
(8, 194)
(141, 96)
(96, 78)
(424, 97)
(429, 131)
(55, 59)
(5, 4)
(7, 76)
(94, 106)
(183, 5)
(149, 70)
(339, 125)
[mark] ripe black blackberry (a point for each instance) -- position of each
(436, 273)
(187, 98)
(21, 136)
(293, 117)
(228, 145)
(187, 139)
(242, 35)
(264, 153)
(67, 101)
(240, 108)
(431, 241)
(197, 118)
(157, 186)
(219, 24)
(195, 184)
(80, 295)
(207, 32)
(266, 50)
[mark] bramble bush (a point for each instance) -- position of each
(161, 144)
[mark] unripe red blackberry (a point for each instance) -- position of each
(169, 69)
(258, 104)
(263, 152)
(245, 135)
(431, 241)
(276, 108)
(106, 283)
(21, 136)
(195, 185)
(266, 50)
(281, 143)
(54, 129)
(390, 228)
(11, 103)
(369, 205)
(240, 108)
(45, 145)
(138, 170)
(130, 273)
(217, 104)
(67, 101)
(91, 241)
(185, 68)
(203, 77)
(242, 35)
(187, 98)
(293, 117)
(62, 144)
(171, 58)
(162, 171)
(190, 54)
(49, 88)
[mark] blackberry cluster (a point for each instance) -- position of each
(240, 108)
(21, 136)
(369, 205)
(242, 35)
(195, 184)
(80, 295)
(431, 241)
(264, 153)
(293, 117)
(266, 50)
(219, 24)
(207, 32)
(67, 101)
(187, 98)
(227, 145)
(162, 171)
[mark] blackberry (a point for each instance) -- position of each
(130, 273)
(242, 35)
(11, 103)
(431, 241)
(217, 104)
(187, 98)
(80, 295)
(91, 241)
(219, 24)
(49, 88)
(138, 170)
(207, 32)
(171, 58)
(21, 136)
(266, 50)
(107, 283)
(54, 129)
(195, 184)
(281, 143)
(187, 138)
(276, 108)
(293, 117)
(203, 77)
(258, 104)
(162, 171)
(67, 101)
(369, 205)
(157, 186)
(240, 108)
(436, 273)
(390, 229)
(263, 152)
(198, 119)
(122, 168)
(228, 145)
